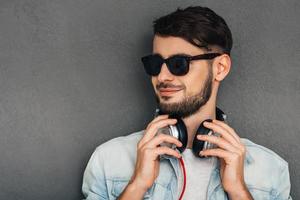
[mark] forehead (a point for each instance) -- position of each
(168, 46)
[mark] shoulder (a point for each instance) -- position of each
(121, 143)
(258, 153)
(115, 157)
(121, 149)
(265, 170)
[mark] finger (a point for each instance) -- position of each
(159, 117)
(228, 128)
(165, 150)
(222, 143)
(152, 129)
(162, 138)
(224, 133)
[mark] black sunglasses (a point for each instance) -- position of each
(178, 64)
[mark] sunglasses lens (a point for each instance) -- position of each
(178, 65)
(152, 64)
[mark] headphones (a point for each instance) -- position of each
(179, 131)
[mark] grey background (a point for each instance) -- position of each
(71, 79)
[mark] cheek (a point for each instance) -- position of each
(195, 82)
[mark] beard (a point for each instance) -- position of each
(189, 105)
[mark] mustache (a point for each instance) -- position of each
(168, 85)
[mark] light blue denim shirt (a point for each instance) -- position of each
(112, 165)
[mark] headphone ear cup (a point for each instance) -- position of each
(199, 144)
(182, 134)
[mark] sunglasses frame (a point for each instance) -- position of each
(187, 59)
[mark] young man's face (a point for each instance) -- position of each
(181, 95)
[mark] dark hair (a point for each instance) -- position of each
(198, 25)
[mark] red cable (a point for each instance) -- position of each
(184, 178)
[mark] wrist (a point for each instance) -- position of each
(133, 191)
(241, 192)
(137, 185)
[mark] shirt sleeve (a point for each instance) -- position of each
(94, 185)
(284, 185)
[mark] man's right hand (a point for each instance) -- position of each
(148, 152)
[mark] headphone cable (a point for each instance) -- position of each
(184, 178)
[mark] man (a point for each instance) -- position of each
(191, 56)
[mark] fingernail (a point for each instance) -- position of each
(201, 152)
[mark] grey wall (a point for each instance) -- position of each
(71, 78)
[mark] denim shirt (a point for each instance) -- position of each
(112, 164)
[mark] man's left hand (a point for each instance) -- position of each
(231, 152)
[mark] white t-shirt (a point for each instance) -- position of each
(198, 173)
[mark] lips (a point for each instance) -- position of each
(168, 91)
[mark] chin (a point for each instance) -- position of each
(170, 99)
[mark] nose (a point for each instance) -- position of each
(165, 74)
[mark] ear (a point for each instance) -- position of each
(222, 66)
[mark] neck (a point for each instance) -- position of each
(208, 111)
